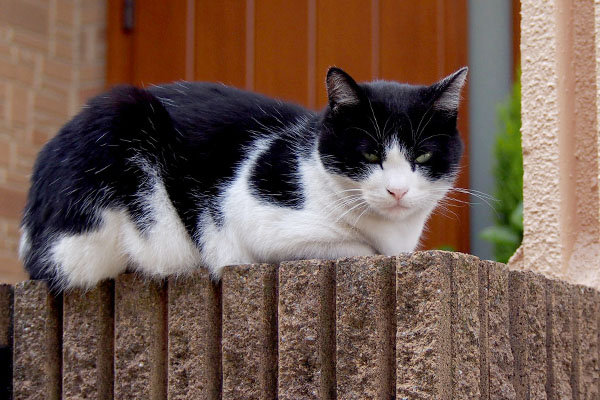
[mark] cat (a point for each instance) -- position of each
(171, 178)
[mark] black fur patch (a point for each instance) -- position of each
(390, 112)
(275, 175)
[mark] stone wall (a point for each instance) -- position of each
(429, 325)
(52, 58)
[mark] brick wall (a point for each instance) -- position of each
(429, 325)
(52, 58)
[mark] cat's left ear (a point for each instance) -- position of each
(447, 91)
(342, 90)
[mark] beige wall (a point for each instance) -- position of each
(52, 58)
(560, 138)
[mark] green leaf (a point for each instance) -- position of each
(507, 233)
(500, 235)
(446, 247)
(516, 217)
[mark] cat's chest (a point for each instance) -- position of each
(393, 237)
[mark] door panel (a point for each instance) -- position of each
(154, 51)
(281, 49)
(343, 39)
(220, 42)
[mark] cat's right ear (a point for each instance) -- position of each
(342, 90)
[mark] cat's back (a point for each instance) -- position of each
(200, 110)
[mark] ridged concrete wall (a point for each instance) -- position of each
(430, 325)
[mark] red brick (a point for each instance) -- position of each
(17, 181)
(12, 228)
(86, 94)
(39, 138)
(20, 105)
(24, 15)
(27, 58)
(65, 12)
(11, 269)
(51, 104)
(65, 50)
(58, 69)
(11, 202)
(31, 41)
(93, 73)
(5, 151)
(13, 71)
(93, 12)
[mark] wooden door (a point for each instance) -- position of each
(283, 48)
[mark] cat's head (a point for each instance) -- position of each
(393, 146)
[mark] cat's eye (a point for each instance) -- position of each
(371, 157)
(423, 158)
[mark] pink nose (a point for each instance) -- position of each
(397, 193)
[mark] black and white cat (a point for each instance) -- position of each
(167, 179)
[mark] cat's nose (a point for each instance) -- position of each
(398, 193)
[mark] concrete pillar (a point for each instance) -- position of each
(6, 339)
(140, 339)
(194, 329)
(249, 344)
(527, 315)
(365, 328)
(88, 322)
(306, 319)
(560, 139)
(37, 353)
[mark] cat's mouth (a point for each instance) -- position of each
(397, 208)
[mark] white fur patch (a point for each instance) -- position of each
(164, 248)
(87, 258)
(24, 244)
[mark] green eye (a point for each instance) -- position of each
(423, 158)
(371, 157)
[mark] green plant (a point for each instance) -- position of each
(507, 232)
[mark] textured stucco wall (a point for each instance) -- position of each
(560, 139)
(541, 243)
